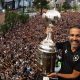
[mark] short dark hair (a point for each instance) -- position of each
(75, 26)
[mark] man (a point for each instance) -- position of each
(70, 68)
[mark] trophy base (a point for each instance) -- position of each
(44, 77)
(47, 78)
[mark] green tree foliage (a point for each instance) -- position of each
(66, 6)
(2, 3)
(13, 19)
(41, 4)
(4, 28)
(75, 7)
(23, 18)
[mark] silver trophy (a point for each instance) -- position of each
(47, 50)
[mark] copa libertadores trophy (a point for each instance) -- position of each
(46, 49)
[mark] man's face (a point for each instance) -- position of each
(74, 37)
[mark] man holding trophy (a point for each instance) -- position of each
(70, 68)
(60, 61)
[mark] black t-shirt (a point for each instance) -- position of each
(70, 61)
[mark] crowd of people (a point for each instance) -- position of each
(18, 48)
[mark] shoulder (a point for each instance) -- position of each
(62, 45)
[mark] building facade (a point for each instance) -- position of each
(14, 4)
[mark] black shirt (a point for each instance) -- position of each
(70, 60)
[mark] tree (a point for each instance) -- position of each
(66, 6)
(2, 3)
(75, 7)
(13, 4)
(41, 4)
(13, 19)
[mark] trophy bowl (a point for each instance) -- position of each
(52, 16)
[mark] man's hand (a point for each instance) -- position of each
(73, 75)
(53, 75)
